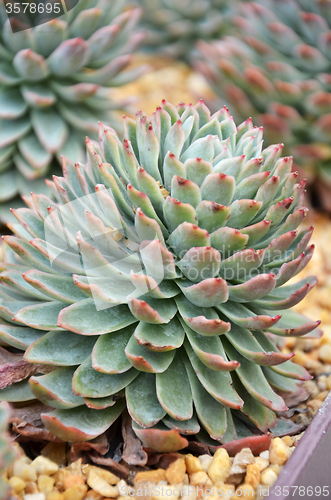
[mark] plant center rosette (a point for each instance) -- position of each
(158, 281)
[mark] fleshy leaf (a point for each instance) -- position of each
(81, 424)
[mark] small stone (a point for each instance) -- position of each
(59, 478)
(200, 478)
(34, 496)
(17, 484)
(168, 492)
(300, 357)
(205, 461)
(240, 462)
(263, 463)
(175, 473)
(220, 467)
(244, 491)
(265, 454)
(279, 452)
(45, 483)
(324, 353)
(93, 495)
(75, 468)
(322, 395)
(77, 492)
(43, 465)
(193, 464)
(124, 489)
(72, 480)
(56, 452)
(225, 491)
(24, 470)
(98, 484)
(287, 440)
(31, 487)
(153, 476)
(55, 495)
(189, 493)
(328, 383)
(313, 406)
(253, 475)
(269, 476)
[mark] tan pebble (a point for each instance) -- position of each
(59, 478)
(224, 491)
(186, 479)
(300, 357)
(169, 492)
(326, 338)
(124, 489)
(43, 465)
(269, 476)
(241, 460)
(143, 489)
(244, 491)
(76, 467)
(262, 462)
(287, 440)
(153, 476)
(328, 383)
(253, 475)
(279, 452)
(24, 470)
(98, 484)
(93, 495)
(311, 386)
(265, 454)
(56, 452)
(200, 478)
(325, 353)
(193, 464)
(55, 495)
(77, 492)
(313, 406)
(31, 487)
(45, 483)
(72, 480)
(188, 493)
(34, 496)
(220, 467)
(205, 461)
(175, 473)
(17, 484)
(322, 395)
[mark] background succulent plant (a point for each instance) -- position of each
(55, 81)
(159, 280)
(7, 454)
(174, 27)
(279, 73)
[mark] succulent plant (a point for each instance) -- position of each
(7, 454)
(174, 27)
(55, 82)
(158, 281)
(278, 72)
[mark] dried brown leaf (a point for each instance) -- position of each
(133, 452)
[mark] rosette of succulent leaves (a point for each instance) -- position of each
(56, 81)
(158, 282)
(276, 68)
(173, 27)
